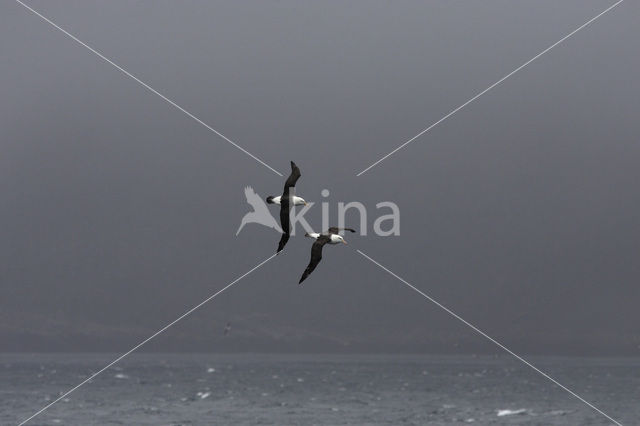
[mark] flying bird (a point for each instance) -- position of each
(260, 213)
(331, 236)
(286, 200)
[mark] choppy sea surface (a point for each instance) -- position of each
(251, 389)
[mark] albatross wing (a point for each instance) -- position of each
(286, 226)
(316, 256)
(335, 230)
(292, 179)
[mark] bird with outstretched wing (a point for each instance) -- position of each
(331, 236)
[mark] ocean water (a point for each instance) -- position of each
(203, 389)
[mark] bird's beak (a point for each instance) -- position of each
(305, 203)
(344, 241)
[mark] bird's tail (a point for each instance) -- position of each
(270, 199)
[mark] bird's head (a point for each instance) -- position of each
(341, 239)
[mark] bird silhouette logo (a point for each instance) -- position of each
(260, 213)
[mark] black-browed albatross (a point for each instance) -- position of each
(331, 236)
(286, 200)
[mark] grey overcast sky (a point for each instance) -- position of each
(520, 212)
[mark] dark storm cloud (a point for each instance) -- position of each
(520, 212)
